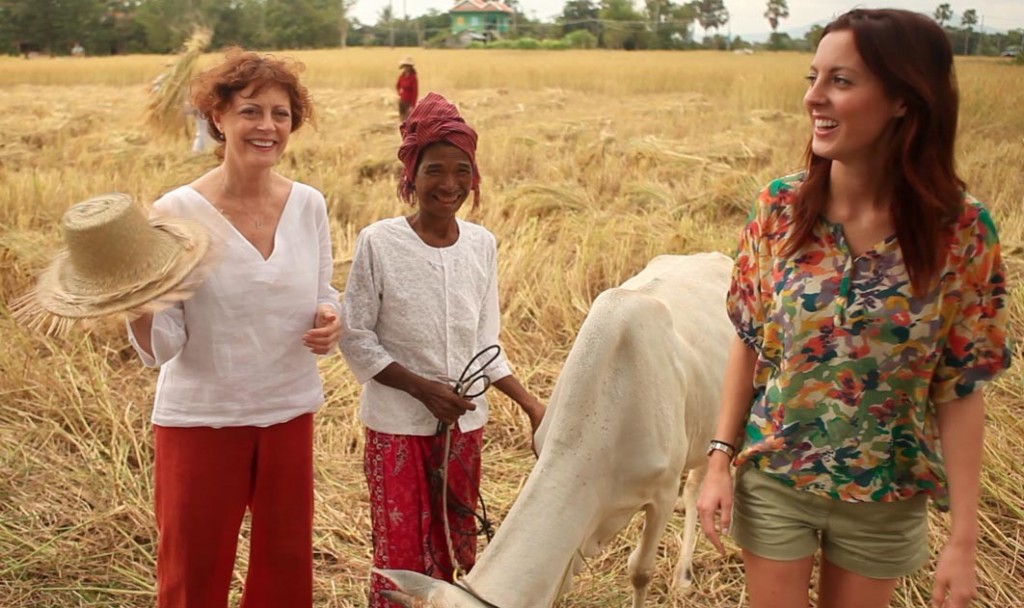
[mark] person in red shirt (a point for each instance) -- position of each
(407, 87)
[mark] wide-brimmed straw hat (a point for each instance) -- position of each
(406, 61)
(115, 261)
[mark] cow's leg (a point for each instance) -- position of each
(641, 560)
(683, 576)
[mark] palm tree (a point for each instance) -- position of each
(776, 11)
(345, 23)
(968, 21)
(943, 14)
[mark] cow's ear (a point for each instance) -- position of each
(412, 585)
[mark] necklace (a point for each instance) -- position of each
(256, 220)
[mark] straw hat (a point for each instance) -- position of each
(115, 261)
(406, 61)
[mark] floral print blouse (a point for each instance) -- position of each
(850, 362)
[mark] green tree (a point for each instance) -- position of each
(781, 41)
(581, 39)
(684, 15)
(943, 14)
(622, 26)
(670, 23)
(813, 36)
(52, 26)
(434, 23)
(711, 14)
(968, 20)
(117, 31)
(776, 11)
(619, 10)
(1015, 37)
(581, 15)
(168, 23)
(295, 24)
(242, 23)
(344, 20)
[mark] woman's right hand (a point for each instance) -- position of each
(714, 505)
(442, 401)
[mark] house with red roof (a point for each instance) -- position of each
(486, 18)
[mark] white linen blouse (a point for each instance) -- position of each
(431, 309)
(232, 354)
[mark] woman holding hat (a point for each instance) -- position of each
(407, 87)
(238, 381)
(421, 301)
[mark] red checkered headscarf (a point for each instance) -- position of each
(434, 120)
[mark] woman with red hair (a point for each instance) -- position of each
(869, 299)
(420, 303)
(233, 414)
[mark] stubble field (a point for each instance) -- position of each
(593, 162)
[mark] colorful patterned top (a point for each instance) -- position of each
(850, 362)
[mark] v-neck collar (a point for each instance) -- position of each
(242, 237)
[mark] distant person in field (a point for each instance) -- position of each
(77, 50)
(421, 302)
(233, 418)
(870, 303)
(202, 138)
(407, 87)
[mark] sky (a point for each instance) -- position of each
(747, 16)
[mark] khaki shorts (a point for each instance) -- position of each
(878, 540)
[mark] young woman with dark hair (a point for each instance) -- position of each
(869, 299)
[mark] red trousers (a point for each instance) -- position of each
(205, 478)
(403, 474)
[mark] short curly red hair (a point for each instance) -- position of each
(213, 90)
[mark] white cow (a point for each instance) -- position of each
(633, 409)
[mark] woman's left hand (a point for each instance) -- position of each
(323, 338)
(956, 580)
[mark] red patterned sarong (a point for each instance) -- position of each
(403, 474)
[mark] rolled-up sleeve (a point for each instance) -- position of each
(976, 349)
(360, 309)
(744, 304)
(167, 338)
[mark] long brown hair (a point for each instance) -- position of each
(912, 57)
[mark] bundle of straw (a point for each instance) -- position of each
(165, 113)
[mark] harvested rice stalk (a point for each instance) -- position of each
(165, 113)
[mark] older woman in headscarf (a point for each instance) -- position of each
(420, 304)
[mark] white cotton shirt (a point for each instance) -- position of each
(431, 309)
(232, 354)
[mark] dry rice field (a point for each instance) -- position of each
(593, 162)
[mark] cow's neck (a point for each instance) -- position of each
(568, 494)
(523, 566)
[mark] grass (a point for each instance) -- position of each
(593, 162)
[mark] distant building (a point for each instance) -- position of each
(481, 18)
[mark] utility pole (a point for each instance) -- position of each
(981, 34)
